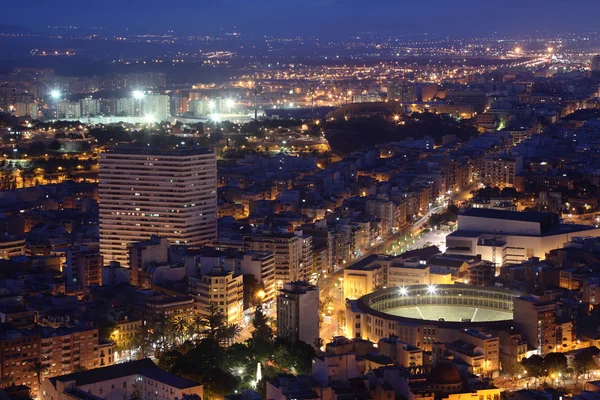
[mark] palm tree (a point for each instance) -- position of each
(228, 333)
(7, 381)
(197, 324)
(38, 368)
(180, 327)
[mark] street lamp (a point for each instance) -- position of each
(55, 94)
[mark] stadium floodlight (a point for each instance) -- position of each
(431, 289)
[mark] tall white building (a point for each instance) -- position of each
(89, 107)
(156, 106)
(165, 192)
(69, 109)
(124, 106)
(298, 312)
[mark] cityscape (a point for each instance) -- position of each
(336, 200)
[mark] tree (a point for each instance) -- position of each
(583, 363)
(216, 327)
(252, 287)
(168, 359)
(228, 333)
(196, 324)
(38, 369)
(180, 327)
(534, 367)
(142, 341)
(555, 364)
(341, 319)
(7, 381)
(214, 322)
(260, 324)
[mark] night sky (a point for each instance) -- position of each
(310, 16)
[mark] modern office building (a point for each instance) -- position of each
(511, 237)
(298, 312)
(165, 192)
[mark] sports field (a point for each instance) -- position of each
(450, 313)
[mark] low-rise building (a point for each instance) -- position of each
(135, 379)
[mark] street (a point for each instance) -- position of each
(332, 284)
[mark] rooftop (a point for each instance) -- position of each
(145, 367)
(167, 151)
(529, 216)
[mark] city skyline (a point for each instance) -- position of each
(339, 17)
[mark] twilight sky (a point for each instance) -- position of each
(310, 16)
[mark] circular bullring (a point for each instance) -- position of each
(445, 306)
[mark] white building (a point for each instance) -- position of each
(140, 379)
(166, 192)
(124, 106)
(89, 107)
(511, 237)
(298, 312)
(69, 109)
(26, 109)
(156, 106)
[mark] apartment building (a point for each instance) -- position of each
(167, 192)
(62, 350)
(501, 171)
(154, 251)
(293, 254)
(83, 267)
(298, 312)
(535, 318)
(11, 246)
(260, 264)
(400, 352)
(222, 288)
(382, 208)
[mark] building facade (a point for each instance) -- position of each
(298, 312)
(170, 193)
